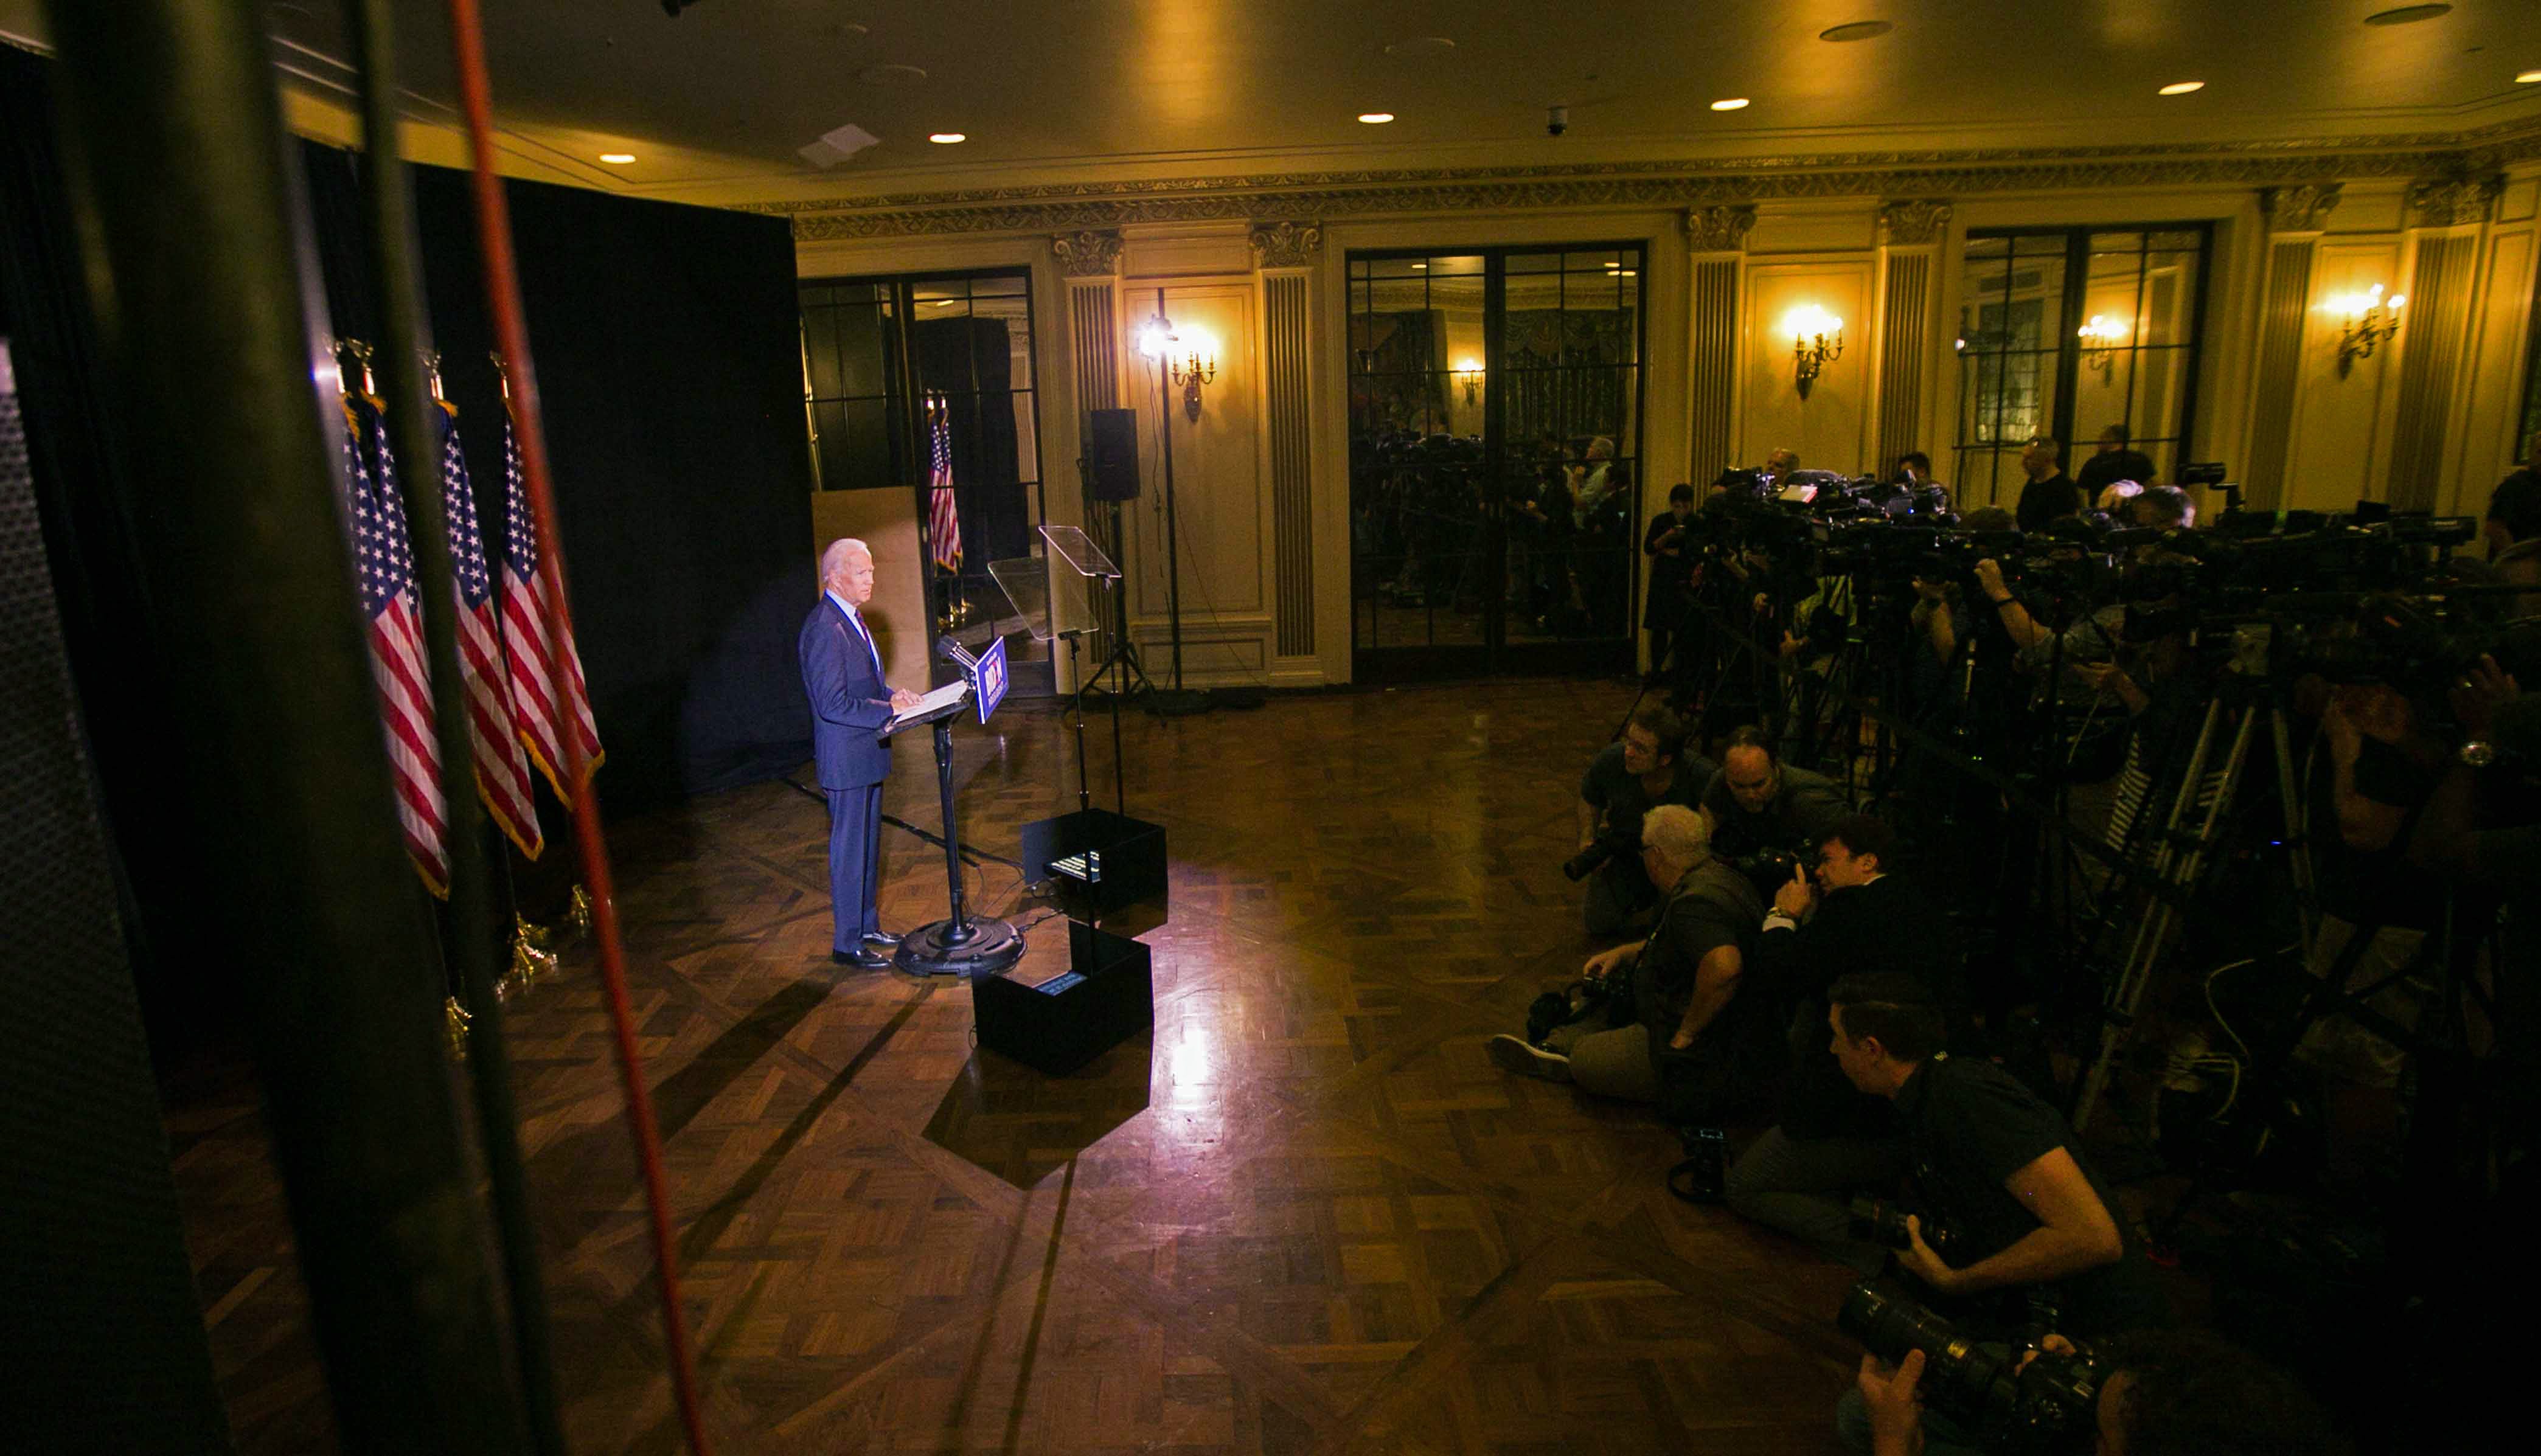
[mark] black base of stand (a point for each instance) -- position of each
(986, 947)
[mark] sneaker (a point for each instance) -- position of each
(1512, 1053)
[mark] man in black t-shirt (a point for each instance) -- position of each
(2050, 493)
(2115, 462)
(1998, 1170)
(1649, 766)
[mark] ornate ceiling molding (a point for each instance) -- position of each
(1287, 245)
(1316, 197)
(1914, 223)
(1081, 255)
(2450, 202)
(1721, 228)
(2302, 208)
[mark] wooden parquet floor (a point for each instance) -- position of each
(1305, 1216)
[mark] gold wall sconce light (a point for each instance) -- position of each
(2369, 320)
(2100, 337)
(1817, 340)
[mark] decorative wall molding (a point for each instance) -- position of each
(2301, 208)
(1318, 197)
(1914, 224)
(1718, 229)
(2450, 202)
(1287, 349)
(1287, 245)
(2439, 299)
(1712, 366)
(1087, 254)
(2284, 311)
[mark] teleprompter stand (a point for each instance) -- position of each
(959, 944)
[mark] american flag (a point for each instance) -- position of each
(502, 773)
(383, 562)
(943, 521)
(536, 714)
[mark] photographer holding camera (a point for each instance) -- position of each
(1833, 1139)
(2157, 1394)
(1756, 802)
(1666, 1020)
(1649, 766)
(1995, 1166)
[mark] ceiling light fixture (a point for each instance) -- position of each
(2182, 87)
(947, 138)
(1420, 45)
(2527, 78)
(1733, 104)
(1376, 118)
(2408, 15)
(1855, 31)
(618, 159)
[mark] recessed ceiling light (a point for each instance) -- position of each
(1421, 266)
(2406, 14)
(946, 138)
(1733, 104)
(618, 159)
(1855, 31)
(2182, 87)
(890, 75)
(1422, 46)
(2527, 78)
(1376, 118)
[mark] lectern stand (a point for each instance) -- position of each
(957, 945)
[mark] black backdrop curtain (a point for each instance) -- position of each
(666, 344)
(666, 341)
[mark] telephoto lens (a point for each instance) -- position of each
(1879, 1222)
(2045, 1406)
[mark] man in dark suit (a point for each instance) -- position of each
(1833, 1140)
(842, 675)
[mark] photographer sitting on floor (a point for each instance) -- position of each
(1833, 1139)
(1666, 1020)
(1755, 802)
(2008, 1188)
(1647, 768)
(2163, 1394)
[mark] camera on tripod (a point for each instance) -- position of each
(2047, 1405)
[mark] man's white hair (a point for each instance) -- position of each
(834, 559)
(1677, 832)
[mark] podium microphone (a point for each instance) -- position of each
(954, 652)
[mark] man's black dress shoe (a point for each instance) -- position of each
(882, 938)
(864, 959)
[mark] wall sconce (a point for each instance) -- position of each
(1468, 373)
(1817, 340)
(2100, 339)
(1196, 366)
(2370, 320)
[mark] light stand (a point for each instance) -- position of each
(1174, 701)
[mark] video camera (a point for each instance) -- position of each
(2047, 1405)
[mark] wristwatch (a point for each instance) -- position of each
(2478, 753)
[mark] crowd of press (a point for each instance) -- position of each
(1899, 777)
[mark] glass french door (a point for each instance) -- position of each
(1494, 455)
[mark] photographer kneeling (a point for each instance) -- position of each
(1833, 1140)
(1625, 782)
(1666, 1020)
(1997, 1170)
(1757, 802)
